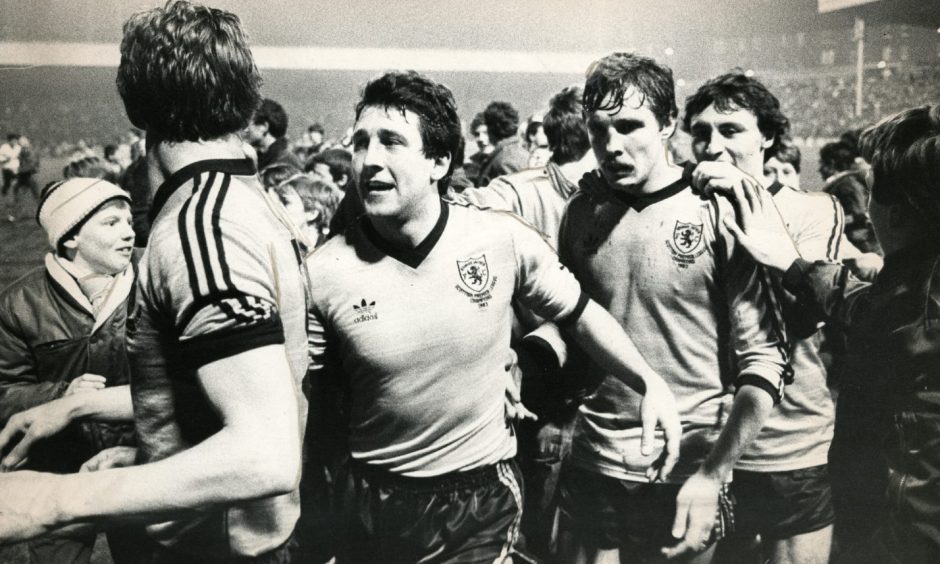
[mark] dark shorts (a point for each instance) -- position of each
(780, 505)
(607, 513)
(459, 517)
(133, 546)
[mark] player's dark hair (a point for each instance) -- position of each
(737, 91)
(338, 160)
(904, 152)
(564, 126)
(186, 73)
(273, 114)
(431, 101)
(609, 78)
(786, 152)
(502, 121)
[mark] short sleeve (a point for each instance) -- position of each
(220, 288)
(543, 283)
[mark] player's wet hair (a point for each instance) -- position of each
(502, 121)
(564, 126)
(186, 73)
(904, 152)
(273, 114)
(609, 78)
(786, 151)
(431, 101)
(737, 91)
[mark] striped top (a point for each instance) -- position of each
(221, 275)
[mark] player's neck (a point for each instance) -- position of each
(414, 227)
(662, 175)
(165, 158)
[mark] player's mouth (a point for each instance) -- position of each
(618, 170)
(126, 250)
(378, 186)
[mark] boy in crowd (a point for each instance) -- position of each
(62, 341)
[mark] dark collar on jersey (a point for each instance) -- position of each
(237, 167)
(641, 201)
(412, 257)
(774, 188)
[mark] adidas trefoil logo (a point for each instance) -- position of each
(365, 311)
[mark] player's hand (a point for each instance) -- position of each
(86, 383)
(762, 232)
(658, 408)
(28, 505)
(26, 427)
(865, 266)
(515, 411)
(593, 183)
(696, 510)
(114, 457)
(718, 176)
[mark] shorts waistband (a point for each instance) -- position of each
(452, 481)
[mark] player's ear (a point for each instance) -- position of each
(441, 167)
(767, 142)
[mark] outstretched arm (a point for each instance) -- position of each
(255, 455)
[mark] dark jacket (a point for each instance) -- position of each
(893, 326)
(48, 337)
(509, 156)
(278, 153)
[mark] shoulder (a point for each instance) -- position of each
(24, 286)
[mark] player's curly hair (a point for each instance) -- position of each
(564, 126)
(737, 91)
(186, 72)
(609, 78)
(431, 101)
(904, 152)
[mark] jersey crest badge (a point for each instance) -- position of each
(474, 272)
(686, 237)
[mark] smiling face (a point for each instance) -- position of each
(731, 136)
(630, 143)
(393, 176)
(105, 241)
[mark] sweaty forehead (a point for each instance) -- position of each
(635, 105)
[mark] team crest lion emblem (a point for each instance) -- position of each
(474, 272)
(686, 236)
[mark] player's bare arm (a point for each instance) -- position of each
(697, 502)
(255, 455)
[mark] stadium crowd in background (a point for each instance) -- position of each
(367, 349)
